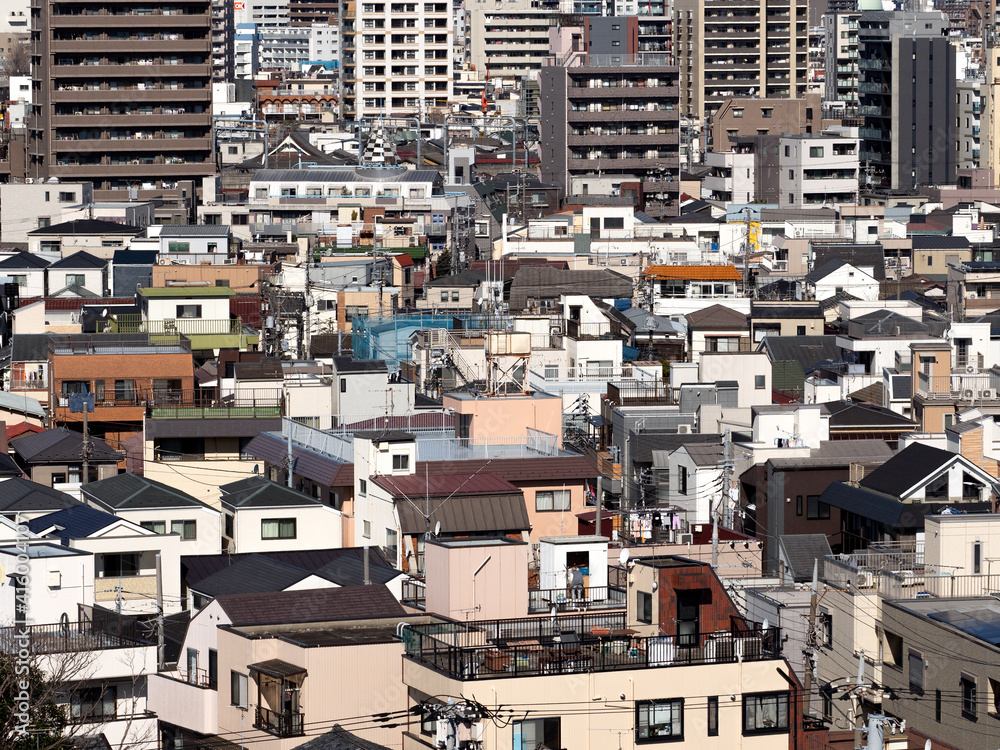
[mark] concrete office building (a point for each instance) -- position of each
(739, 48)
(906, 94)
(396, 58)
(122, 93)
(612, 114)
(969, 121)
(841, 59)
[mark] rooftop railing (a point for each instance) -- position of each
(118, 343)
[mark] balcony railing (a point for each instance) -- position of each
(118, 343)
(574, 644)
(564, 600)
(415, 592)
(181, 404)
(583, 331)
(639, 394)
(457, 449)
(966, 387)
(186, 326)
(71, 636)
(284, 724)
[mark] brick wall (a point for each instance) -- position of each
(716, 606)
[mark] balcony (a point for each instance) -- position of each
(575, 644)
(125, 588)
(120, 633)
(81, 95)
(588, 331)
(131, 120)
(592, 598)
(185, 326)
(639, 394)
(980, 386)
(133, 70)
(251, 404)
(284, 724)
(113, 145)
(117, 343)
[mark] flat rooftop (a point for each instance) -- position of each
(321, 634)
(978, 617)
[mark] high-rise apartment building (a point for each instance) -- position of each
(223, 31)
(750, 48)
(612, 115)
(396, 58)
(842, 59)
(122, 93)
(907, 96)
(509, 39)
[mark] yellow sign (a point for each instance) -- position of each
(753, 237)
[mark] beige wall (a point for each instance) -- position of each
(597, 718)
(342, 682)
(510, 416)
(936, 261)
(237, 278)
(501, 587)
(554, 522)
(949, 543)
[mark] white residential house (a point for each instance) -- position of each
(696, 485)
(79, 271)
(124, 557)
(58, 580)
(161, 509)
(835, 277)
(261, 516)
(27, 270)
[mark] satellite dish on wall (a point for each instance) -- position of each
(437, 529)
(623, 556)
(256, 468)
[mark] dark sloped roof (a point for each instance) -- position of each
(344, 566)
(443, 485)
(79, 259)
(135, 257)
(845, 414)
(863, 502)
(808, 351)
(315, 605)
(349, 174)
(857, 255)
(7, 466)
(29, 347)
(61, 445)
(87, 226)
(801, 551)
(313, 466)
(642, 445)
(888, 322)
(77, 522)
(130, 491)
(715, 318)
(24, 260)
(939, 242)
(349, 364)
(463, 279)
(821, 272)
(20, 495)
(257, 492)
(771, 311)
(475, 514)
(339, 738)
(915, 462)
(546, 282)
(251, 575)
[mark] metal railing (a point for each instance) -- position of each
(457, 449)
(972, 386)
(638, 394)
(118, 343)
(186, 326)
(71, 636)
(561, 646)
(182, 404)
(198, 678)
(283, 724)
(582, 331)
(565, 600)
(414, 594)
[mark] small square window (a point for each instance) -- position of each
(362, 487)
(367, 530)
(644, 608)
(969, 696)
(759, 381)
(400, 462)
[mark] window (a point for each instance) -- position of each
(937, 706)
(644, 607)
(400, 462)
(682, 480)
(66, 197)
(994, 705)
(188, 311)
(552, 500)
(213, 669)
(76, 279)
(537, 734)
(815, 152)
(765, 713)
(20, 279)
(94, 704)
(124, 390)
(120, 564)
(362, 487)
(977, 558)
(800, 331)
(798, 505)
(816, 509)
(367, 530)
(234, 150)
(157, 527)
(238, 690)
(277, 528)
(826, 628)
(186, 529)
(659, 721)
(892, 650)
(969, 697)
(44, 221)
(454, 296)
(713, 716)
(354, 311)
(392, 543)
(916, 664)
(737, 113)
(343, 385)
(229, 525)
(178, 247)
(759, 382)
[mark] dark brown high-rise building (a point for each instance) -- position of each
(308, 12)
(122, 93)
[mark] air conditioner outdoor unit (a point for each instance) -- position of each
(685, 538)
(684, 429)
(970, 369)
(968, 393)
(973, 295)
(987, 393)
(866, 579)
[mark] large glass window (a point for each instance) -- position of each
(277, 528)
(537, 734)
(238, 689)
(644, 607)
(659, 721)
(94, 704)
(764, 713)
(552, 500)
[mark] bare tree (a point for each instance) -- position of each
(17, 61)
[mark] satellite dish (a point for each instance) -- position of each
(256, 468)
(623, 556)
(104, 313)
(765, 625)
(437, 529)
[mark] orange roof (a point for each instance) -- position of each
(694, 273)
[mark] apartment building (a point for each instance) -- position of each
(613, 114)
(841, 82)
(122, 94)
(906, 93)
(223, 30)
(969, 122)
(396, 58)
(508, 39)
(745, 48)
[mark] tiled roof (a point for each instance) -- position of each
(128, 491)
(694, 273)
(317, 605)
(76, 522)
(23, 495)
(444, 485)
(61, 445)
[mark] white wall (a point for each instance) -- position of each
(55, 585)
(316, 527)
(208, 526)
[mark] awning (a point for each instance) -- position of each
(276, 668)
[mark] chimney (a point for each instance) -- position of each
(368, 577)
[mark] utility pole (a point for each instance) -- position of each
(160, 643)
(85, 445)
(746, 254)
(810, 650)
